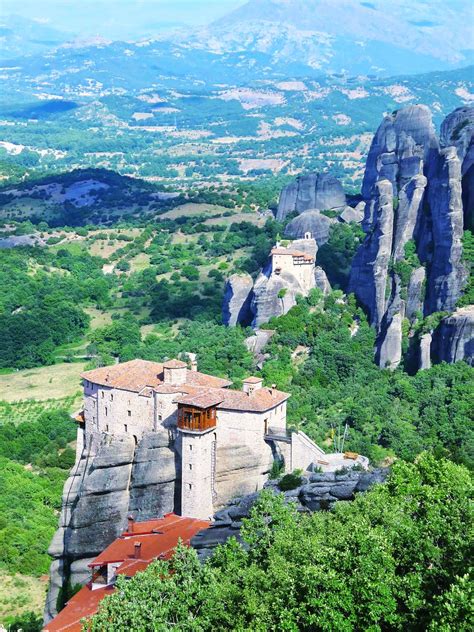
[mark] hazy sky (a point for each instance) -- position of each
(118, 18)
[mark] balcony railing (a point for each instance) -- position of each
(196, 419)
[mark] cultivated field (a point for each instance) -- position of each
(49, 382)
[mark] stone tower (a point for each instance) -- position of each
(198, 463)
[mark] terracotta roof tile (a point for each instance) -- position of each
(158, 539)
(137, 374)
(204, 399)
(174, 364)
(253, 380)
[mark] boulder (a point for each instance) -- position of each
(321, 281)
(313, 222)
(237, 299)
(312, 191)
(352, 215)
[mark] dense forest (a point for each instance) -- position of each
(393, 559)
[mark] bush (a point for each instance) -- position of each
(290, 481)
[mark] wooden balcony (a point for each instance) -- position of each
(195, 419)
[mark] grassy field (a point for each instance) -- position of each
(30, 410)
(20, 594)
(48, 382)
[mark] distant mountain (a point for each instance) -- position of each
(20, 36)
(380, 37)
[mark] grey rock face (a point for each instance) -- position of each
(313, 191)
(312, 222)
(453, 340)
(415, 292)
(273, 296)
(104, 486)
(447, 274)
(425, 351)
(237, 298)
(321, 492)
(368, 279)
(321, 280)
(401, 144)
(426, 221)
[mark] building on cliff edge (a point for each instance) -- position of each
(203, 418)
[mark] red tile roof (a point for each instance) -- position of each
(174, 364)
(158, 539)
(293, 253)
(137, 374)
(253, 380)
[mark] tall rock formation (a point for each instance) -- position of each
(290, 272)
(414, 189)
(107, 483)
(453, 339)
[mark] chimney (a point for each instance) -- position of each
(131, 523)
(273, 389)
(193, 361)
(137, 547)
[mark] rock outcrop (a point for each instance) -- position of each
(458, 130)
(317, 492)
(275, 289)
(102, 489)
(453, 339)
(312, 191)
(410, 263)
(313, 222)
(237, 299)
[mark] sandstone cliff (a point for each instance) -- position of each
(416, 191)
(116, 477)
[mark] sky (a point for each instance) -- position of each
(117, 19)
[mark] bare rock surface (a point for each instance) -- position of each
(237, 299)
(453, 340)
(312, 222)
(312, 191)
(410, 263)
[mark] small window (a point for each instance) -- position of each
(190, 485)
(102, 394)
(190, 466)
(190, 447)
(111, 397)
(106, 411)
(106, 427)
(125, 427)
(160, 417)
(129, 413)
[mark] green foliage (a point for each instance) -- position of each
(29, 503)
(379, 563)
(467, 297)
(282, 292)
(335, 256)
(27, 622)
(290, 481)
(387, 412)
(39, 295)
